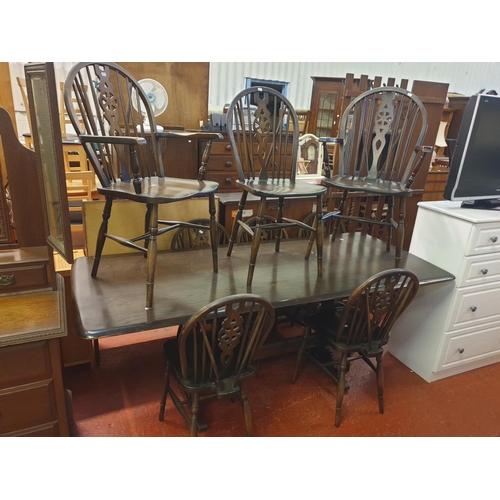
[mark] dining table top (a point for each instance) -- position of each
(113, 303)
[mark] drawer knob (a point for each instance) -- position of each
(229, 164)
(473, 309)
(484, 271)
(7, 280)
(228, 180)
(228, 148)
(494, 239)
(461, 350)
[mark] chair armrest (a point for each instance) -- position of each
(189, 135)
(119, 139)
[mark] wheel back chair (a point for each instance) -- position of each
(213, 354)
(106, 106)
(263, 132)
(380, 154)
(360, 325)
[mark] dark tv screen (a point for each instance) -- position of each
(475, 165)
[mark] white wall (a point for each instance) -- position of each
(228, 78)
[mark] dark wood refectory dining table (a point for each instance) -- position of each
(112, 304)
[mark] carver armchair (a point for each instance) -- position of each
(108, 110)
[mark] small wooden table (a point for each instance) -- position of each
(112, 304)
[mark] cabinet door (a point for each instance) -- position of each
(327, 114)
(180, 157)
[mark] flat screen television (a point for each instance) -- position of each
(474, 176)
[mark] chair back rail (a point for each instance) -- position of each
(263, 131)
(382, 133)
(103, 100)
(371, 310)
(218, 344)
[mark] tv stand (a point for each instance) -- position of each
(482, 204)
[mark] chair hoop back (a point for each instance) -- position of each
(263, 131)
(382, 132)
(104, 100)
(217, 345)
(371, 310)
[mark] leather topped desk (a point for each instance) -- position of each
(112, 304)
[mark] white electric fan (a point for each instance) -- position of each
(158, 100)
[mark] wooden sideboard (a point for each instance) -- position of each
(32, 398)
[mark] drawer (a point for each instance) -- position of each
(220, 162)
(474, 305)
(226, 180)
(470, 346)
(24, 363)
(484, 238)
(220, 148)
(27, 406)
(479, 270)
(25, 277)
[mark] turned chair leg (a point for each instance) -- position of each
(380, 383)
(256, 242)
(152, 253)
(246, 408)
(279, 220)
(312, 237)
(195, 407)
(239, 215)
(101, 236)
(336, 222)
(341, 387)
(400, 234)
(307, 331)
(166, 384)
(213, 232)
(319, 234)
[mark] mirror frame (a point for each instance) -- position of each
(47, 142)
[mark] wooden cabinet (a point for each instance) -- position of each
(435, 184)
(326, 106)
(221, 166)
(23, 269)
(454, 327)
(32, 399)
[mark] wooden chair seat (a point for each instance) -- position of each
(160, 189)
(285, 187)
(374, 186)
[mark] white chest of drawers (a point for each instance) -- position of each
(453, 327)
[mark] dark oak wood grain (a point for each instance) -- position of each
(108, 305)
